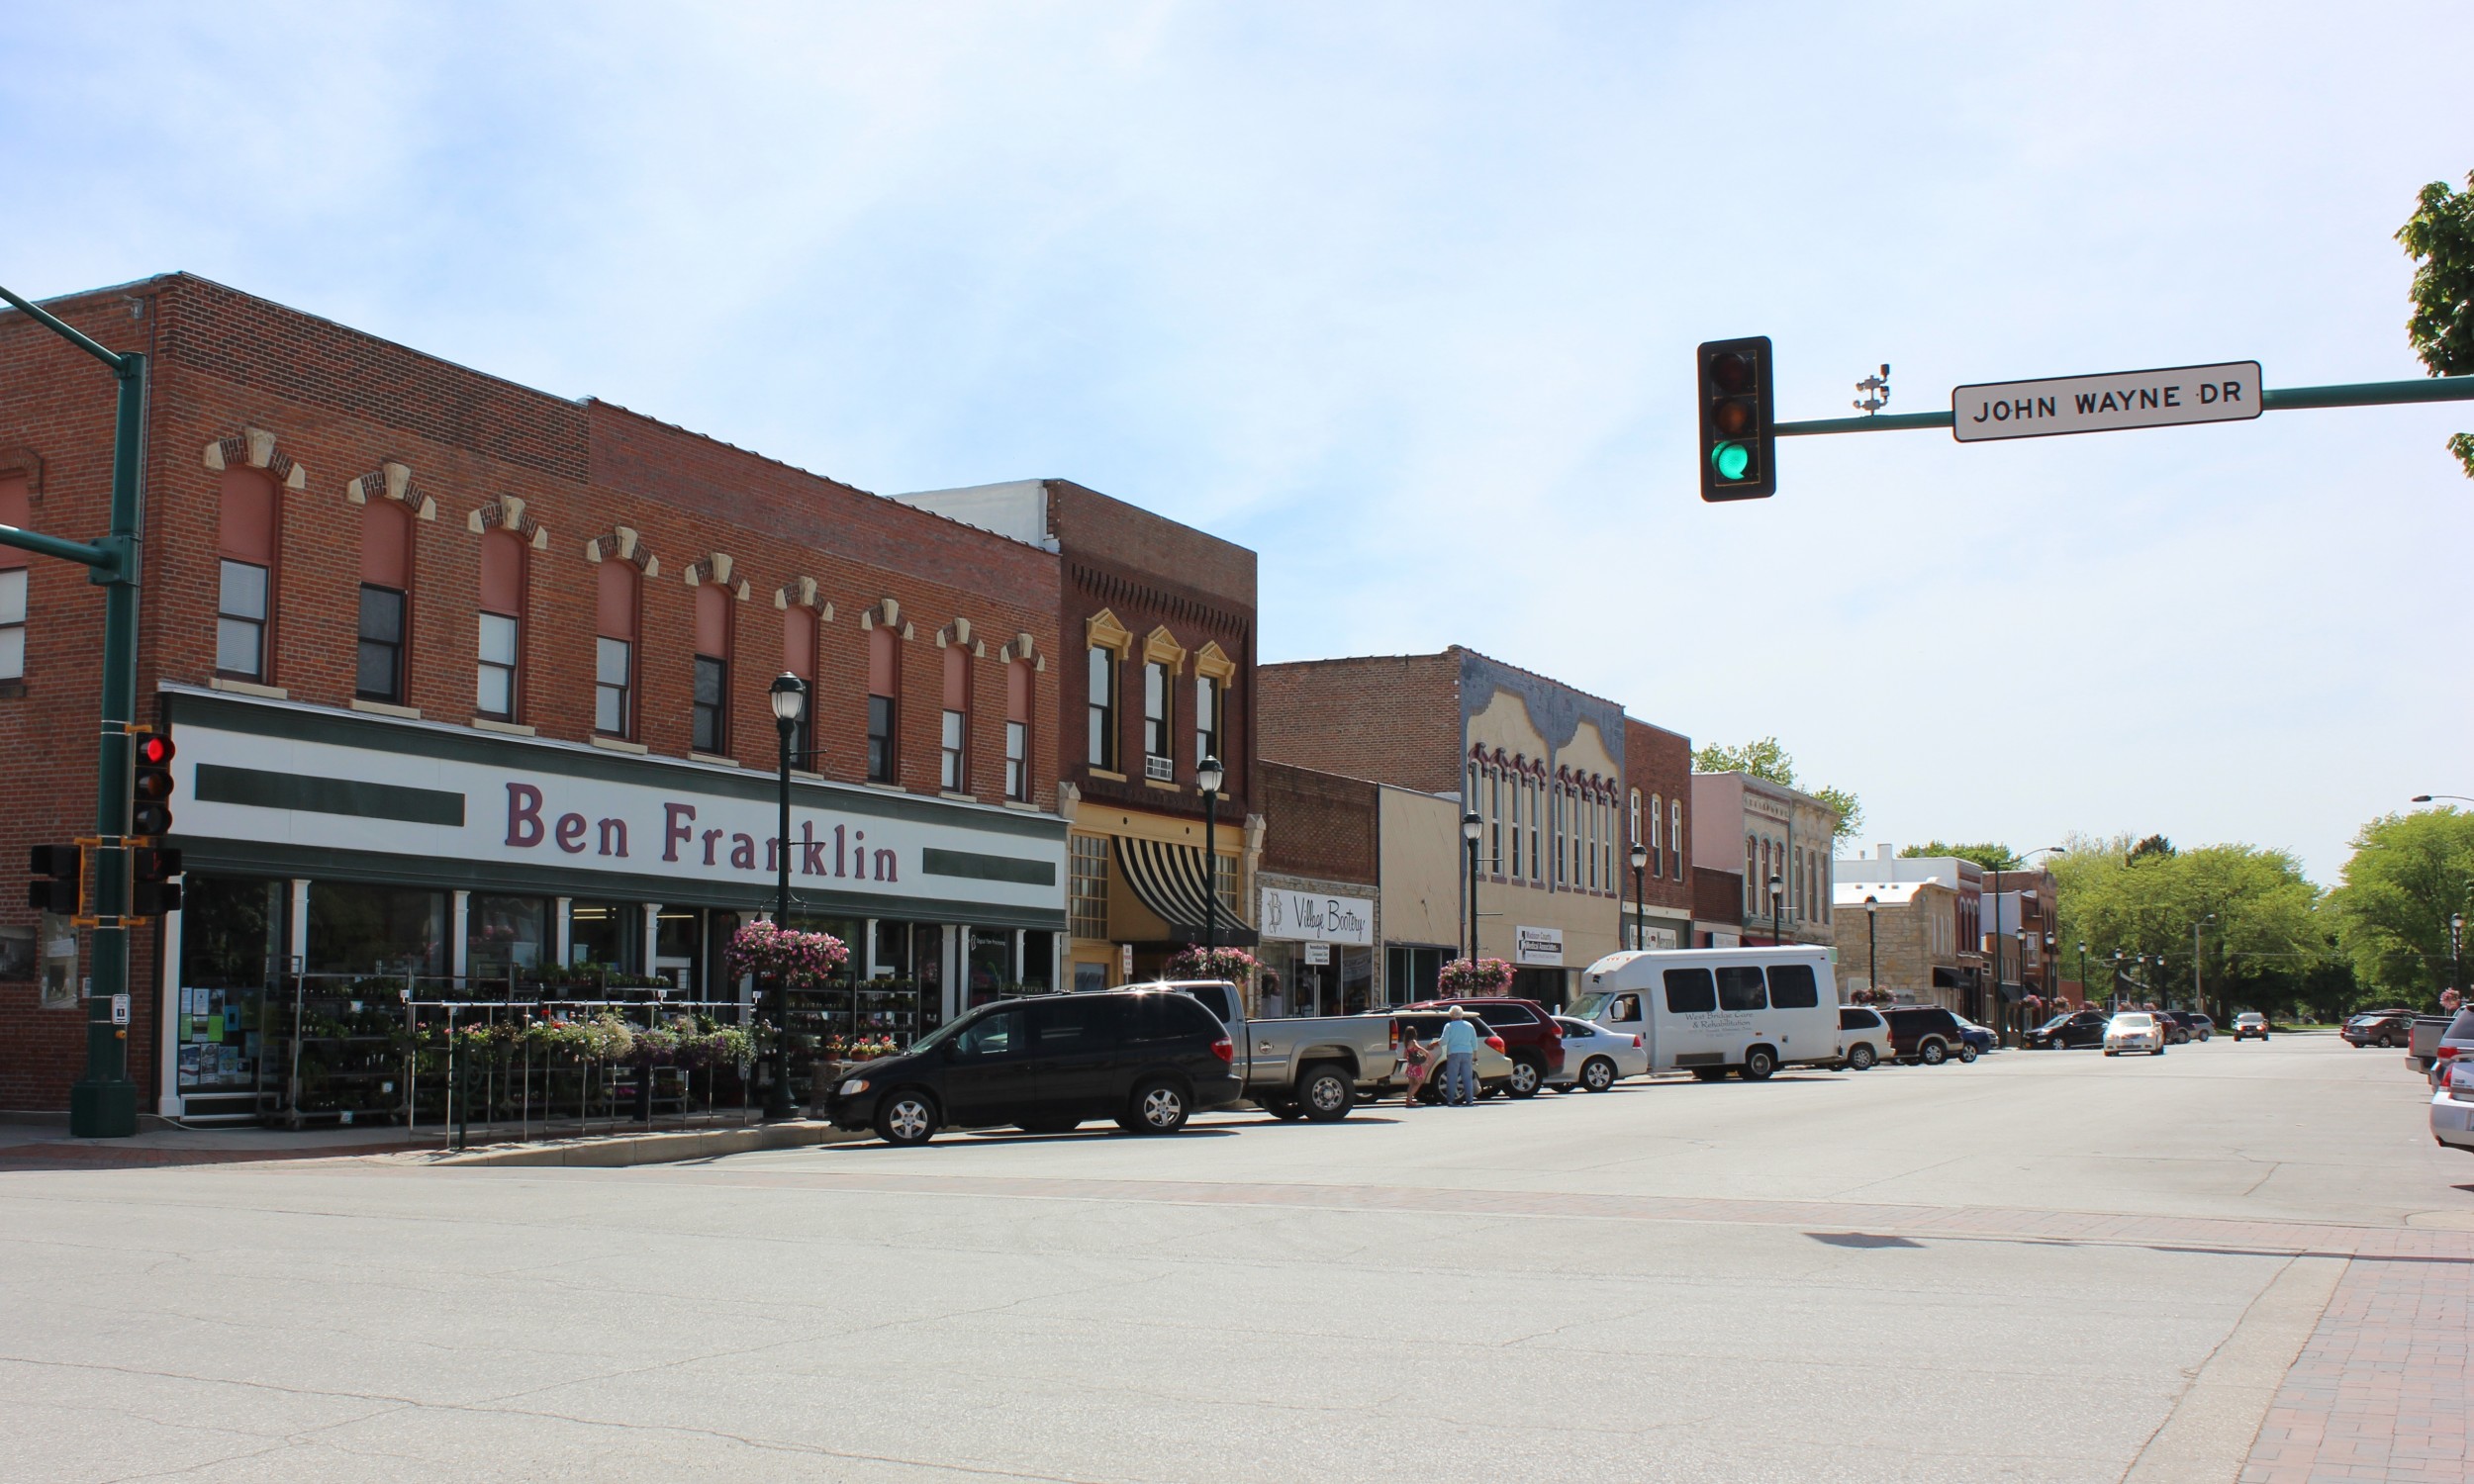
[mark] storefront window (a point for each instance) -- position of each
(231, 943)
(991, 964)
(678, 949)
(1039, 956)
(356, 928)
(505, 935)
(608, 933)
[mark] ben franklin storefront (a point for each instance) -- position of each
(325, 843)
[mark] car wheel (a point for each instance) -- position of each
(1861, 1058)
(2387, 1042)
(1708, 1073)
(1327, 1095)
(1527, 1078)
(906, 1118)
(1597, 1074)
(2108, 1050)
(1159, 1107)
(1284, 1111)
(1967, 1051)
(1933, 1053)
(1758, 1063)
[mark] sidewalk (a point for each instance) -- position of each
(51, 1146)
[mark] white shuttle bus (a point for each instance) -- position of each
(1710, 1011)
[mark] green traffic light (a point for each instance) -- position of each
(1731, 460)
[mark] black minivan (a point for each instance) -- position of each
(1146, 1057)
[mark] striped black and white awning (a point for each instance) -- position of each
(1172, 881)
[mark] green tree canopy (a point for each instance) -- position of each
(1768, 760)
(2439, 237)
(1989, 856)
(2268, 947)
(2408, 874)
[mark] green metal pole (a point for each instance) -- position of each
(2272, 399)
(103, 1104)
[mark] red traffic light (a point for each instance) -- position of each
(155, 751)
(150, 784)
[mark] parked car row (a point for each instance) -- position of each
(2096, 1028)
(1151, 1056)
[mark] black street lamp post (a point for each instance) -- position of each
(1777, 911)
(788, 694)
(1640, 859)
(2082, 972)
(1208, 777)
(2456, 951)
(1470, 828)
(2018, 1011)
(1872, 947)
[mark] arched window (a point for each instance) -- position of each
(1636, 836)
(1751, 879)
(1675, 834)
(1018, 731)
(884, 677)
(16, 508)
(246, 543)
(613, 649)
(953, 764)
(386, 585)
(1494, 820)
(1653, 841)
(501, 625)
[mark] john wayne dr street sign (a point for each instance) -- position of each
(2224, 393)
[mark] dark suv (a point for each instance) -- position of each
(1926, 1033)
(2082, 1028)
(1531, 1038)
(2379, 1028)
(1147, 1058)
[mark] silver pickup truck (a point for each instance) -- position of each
(1299, 1067)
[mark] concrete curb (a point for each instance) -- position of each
(619, 1152)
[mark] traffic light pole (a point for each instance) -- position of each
(102, 1103)
(2274, 400)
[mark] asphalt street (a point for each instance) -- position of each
(2045, 1267)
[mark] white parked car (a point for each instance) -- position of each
(2134, 1031)
(2452, 1107)
(1597, 1058)
(1863, 1038)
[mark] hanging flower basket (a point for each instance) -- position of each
(1462, 980)
(1235, 964)
(1870, 995)
(801, 960)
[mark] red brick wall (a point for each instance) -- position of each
(1717, 895)
(341, 404)
(1143, 598)
(1393, 718)
(1658, 763)
(1320, 824)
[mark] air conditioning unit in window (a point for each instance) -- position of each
(1163, 769)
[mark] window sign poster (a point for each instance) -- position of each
(60, 961)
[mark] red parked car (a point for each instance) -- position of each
(1531, 1038)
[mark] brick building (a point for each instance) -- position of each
(1778, 839)
(1318, 890)
(469, 680)
(1717, 907)
(1657, 815)
(1542, 762)
(1958, 976)
(1156, 623)
(1902, 936)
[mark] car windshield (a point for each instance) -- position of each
(2134, 1021)
(2062, 1019)
(1589, 1005)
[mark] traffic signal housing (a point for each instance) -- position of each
(152, 889)
(66, 869)
(1738, 444)
(150, 785)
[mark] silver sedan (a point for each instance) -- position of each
(1595, 1057)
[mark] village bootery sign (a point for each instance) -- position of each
(1317, 917)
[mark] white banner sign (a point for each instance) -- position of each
(1317, 917)
(1541, 945)
(1318, 953)
(239, 786)
(2104, 404)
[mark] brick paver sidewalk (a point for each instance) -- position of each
(2382, 1390)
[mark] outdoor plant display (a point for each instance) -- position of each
(796, 959)
(1235, 964)
(1463, 979)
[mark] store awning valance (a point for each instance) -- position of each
(1172, 881)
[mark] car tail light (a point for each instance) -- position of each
(1495, 1041)
(1225, 1049)
(1636, 1043)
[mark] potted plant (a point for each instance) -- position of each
(1483, 979)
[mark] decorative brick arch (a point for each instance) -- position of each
(717, 570)
(885, 612)
(27, 465)
(803, 593)
(255, 448)
(507, 513)
(1022, 647)
(626, 545)
(959, 633)
(392, 480)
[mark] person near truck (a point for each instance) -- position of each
(1460, 1058)
(1417, 1060)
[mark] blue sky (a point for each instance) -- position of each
(1404, 297)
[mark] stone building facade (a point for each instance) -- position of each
(1657, 815)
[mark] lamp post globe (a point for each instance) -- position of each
(788, 694)
(1640, 857)
(1209, 776)
(1470, 828)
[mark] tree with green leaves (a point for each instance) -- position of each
(1989, 856)
(2268, 947)
(2408, 874)
(1768, 760)
(2439, 237)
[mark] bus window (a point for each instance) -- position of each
(1740, 988)
(1688, 991)
(1791, 986)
